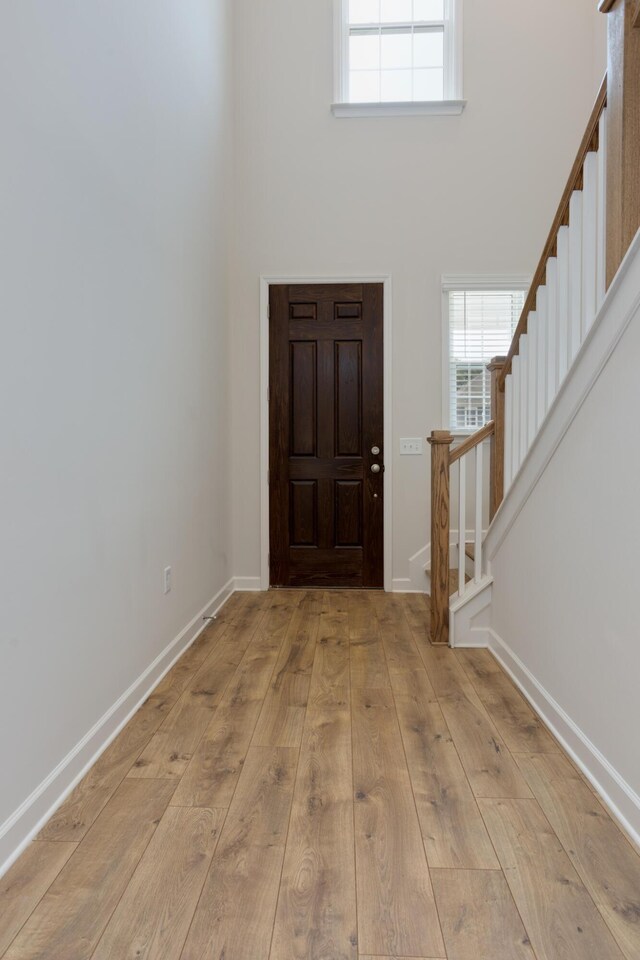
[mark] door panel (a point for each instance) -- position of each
(348, 385)
(348, 513)
(303, 399)
(304, 513)
(326, 414)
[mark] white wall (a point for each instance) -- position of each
(565, 576)
(600, 49)
(113, 358)
(415, 197)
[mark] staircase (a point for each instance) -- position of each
(594, 226)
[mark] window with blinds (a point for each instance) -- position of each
(481, 326)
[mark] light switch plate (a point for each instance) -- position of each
(411, 446)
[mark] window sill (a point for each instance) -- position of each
(423, 108)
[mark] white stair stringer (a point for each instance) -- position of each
(419, 565)
(470, 615)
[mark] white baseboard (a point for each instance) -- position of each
(24, 823)
(404, 585)
(244, 584)
(476, 639)
(619, 797)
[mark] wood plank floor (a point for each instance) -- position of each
(314, 781)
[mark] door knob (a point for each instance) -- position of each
(375, 468)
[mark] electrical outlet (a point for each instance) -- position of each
(411, 446)
(166, 580)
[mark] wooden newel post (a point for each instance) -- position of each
(623, 129)
(440, 441)
(496, 483)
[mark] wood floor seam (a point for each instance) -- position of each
(429, 868)
(603, 950)
(262, 620)
(455, 747)
(406, 760)
(295, 777)
(37, 900)
(124, 890)
(506, 879)
(606, 916)
(353, 807)
(235, 790)
(280, 646)
(202, 888)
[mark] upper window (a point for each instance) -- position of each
(399, 51)
(480, 319)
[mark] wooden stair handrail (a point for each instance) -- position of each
(472, 442)
(606, 6)
(589, 143)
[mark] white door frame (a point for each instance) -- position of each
(265, 282)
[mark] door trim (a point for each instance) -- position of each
(267, 280)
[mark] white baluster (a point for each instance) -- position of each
(543, 335)
(601, 284)
(575, 275)
(508, 432)
(462, 524)
(562, 319)
(552, 327)
(524, 371)
(532, 379)
(477, 557)
(515, 421)
(589, 241)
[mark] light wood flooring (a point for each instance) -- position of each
(314, 781)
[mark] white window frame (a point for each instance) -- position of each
(475, 282)
(452, 104)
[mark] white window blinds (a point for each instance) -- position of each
(481, 326)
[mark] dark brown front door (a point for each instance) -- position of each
(326, 487)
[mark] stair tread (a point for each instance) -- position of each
(453, 580)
